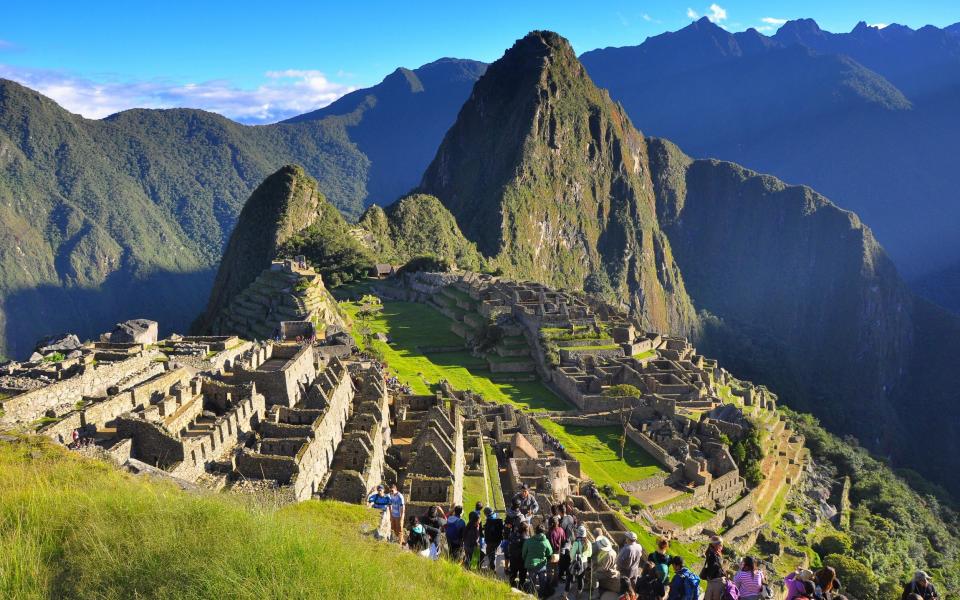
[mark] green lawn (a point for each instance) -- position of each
(690, 517)
(474, 490)
(412, 326)
(495, 491)
(598, 450)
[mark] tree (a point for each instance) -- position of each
(857, 577)
(834, 542)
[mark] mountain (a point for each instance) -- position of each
(545, 173)
(867, 117)
(418, 225)
(793, 291)
(398, 123)
(127, 216)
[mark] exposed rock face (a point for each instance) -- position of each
(283, 205)
(783, 265)
(550, 179)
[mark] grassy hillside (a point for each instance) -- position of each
(77, 528)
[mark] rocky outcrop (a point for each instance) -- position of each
(284, 204)
(550, 179)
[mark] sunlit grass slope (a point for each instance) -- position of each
(77, 528)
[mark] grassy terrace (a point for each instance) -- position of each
(690, 517)
(598, 450)
(413, 326)
(77, 528)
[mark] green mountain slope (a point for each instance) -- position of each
(419, 225)
(284, 217)
(546, 175)
(126, 217)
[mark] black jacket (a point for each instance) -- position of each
(493, 531)
(713, 567)
(927, 593)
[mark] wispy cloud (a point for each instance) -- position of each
(284, 94)
(773, 21)
(716, 13)
(646, 17)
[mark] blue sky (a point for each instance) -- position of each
(259, 62)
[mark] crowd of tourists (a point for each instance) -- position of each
(549, 552)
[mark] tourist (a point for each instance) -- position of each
(826, 583)
(749, 580)
(568, 523)
(417, 540)
(536, 552)
(661, 559)
(714, 569)
(580, 552)
(605, 565)
(650, 586)
(794, 583)
(684, 585)
(493, 529)
(516, 568)
(379, 500)
(629, 560)
(558, 539)
(433, 523)
(478, 509)
(454, 530)
(528, 504)
(471, 539)
(922, 586)
(398, 510)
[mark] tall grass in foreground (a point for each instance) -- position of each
(76, 528)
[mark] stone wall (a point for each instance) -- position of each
(652, 448)
(61, 397)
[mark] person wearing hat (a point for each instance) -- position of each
(605, 563)
(922, 586)
(794, 583)
(379, 500)
(629, 561)
(714, 569)
(580, 552)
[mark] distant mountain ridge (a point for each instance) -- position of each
(126, 216)
(866, 117)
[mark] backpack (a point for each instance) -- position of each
(661, 567)
(691, 585)
(730, 591)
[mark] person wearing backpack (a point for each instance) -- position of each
(454, 530)
(714, 569)
(517, 570)
(493, 534)
(749, 580)
(650, 586)
(684, 585)
(580, 552)
(661, 560)
(536, 555)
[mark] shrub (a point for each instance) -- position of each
(835, 542)
(857, 578)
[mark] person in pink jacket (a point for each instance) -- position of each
(794, 582)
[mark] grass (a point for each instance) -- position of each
(474, 490)
(413, 326)
(598, 450)
(601, 347)
(673, 500)
(76, 528)
(495, 490)
(690, 517)
(690, 552)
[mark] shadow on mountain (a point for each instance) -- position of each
(173, 299)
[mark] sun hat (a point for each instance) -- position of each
(631, 536)
(603, 543)
(581, 531)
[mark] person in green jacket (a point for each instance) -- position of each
(536, 555)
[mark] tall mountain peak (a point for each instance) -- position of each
(546, 174)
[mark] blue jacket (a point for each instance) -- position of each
(379, 501)
(455, 527)
(685, 586)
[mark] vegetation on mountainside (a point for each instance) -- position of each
(541, 170)
(417, 226)
(747, 452)
(896, 525)
(77, 528)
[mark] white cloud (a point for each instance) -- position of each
(717, 13)
(646, 17)
(286, 93)
(879, 25)
(764, 28)
(692, 14)
(773, 21)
